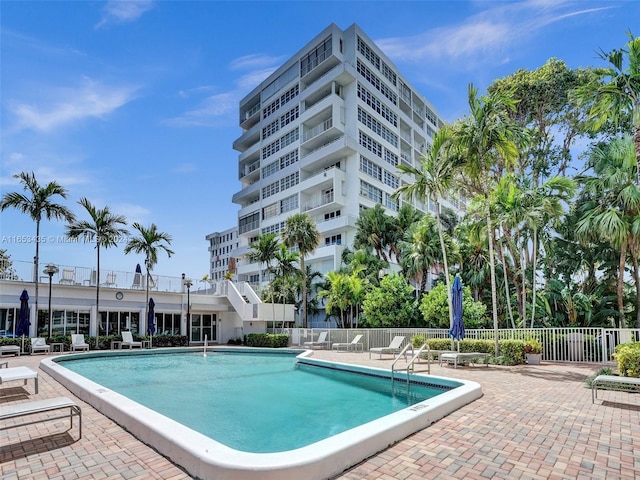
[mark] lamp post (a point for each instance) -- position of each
(51, 270)
(187, 283)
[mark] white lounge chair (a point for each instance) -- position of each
(11, 349)
(68, 276)
(353, 344)
(39, 344)
(394, 347)
(320, 342)
(78, 343)
(127, 340)
(19, 373)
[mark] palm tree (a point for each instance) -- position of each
(487, 138)
(105, 228)
(374, 229)
(434, 180)
(610, 205)
(420, 251)
(37, 204)
(616, 92)
(149, 242)
(301, 231)
(263, 251)
(285, 273)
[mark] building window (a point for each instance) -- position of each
(370, 168)
(315, 57)
(289, 203)
(333, 240)
(370, 144)
(377, 127)
(332, 215)
(369, 191)
(270, 211)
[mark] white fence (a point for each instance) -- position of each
(581, 345)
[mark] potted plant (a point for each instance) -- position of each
(533, 351)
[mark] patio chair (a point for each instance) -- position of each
(394, 347)
(127, 340)
(38, 344)
(320, 342)
(68, 276)
(78, 343)
(111, 279)
(353, 344)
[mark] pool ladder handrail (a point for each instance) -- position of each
(411, 363)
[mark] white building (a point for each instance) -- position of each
(221, 244)
(323, 135)
(220, 310)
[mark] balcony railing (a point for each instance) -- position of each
(87, 277)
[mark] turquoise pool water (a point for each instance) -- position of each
(252, 402)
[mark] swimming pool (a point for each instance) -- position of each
(314, 453)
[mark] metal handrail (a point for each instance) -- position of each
(402, 352)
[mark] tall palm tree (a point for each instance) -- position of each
(610, 204)
(488, 139)
(616, 93)
(420, 251)
(301, 231)
(37, 204)
(104, 228)
(149, 242)
(434, 180)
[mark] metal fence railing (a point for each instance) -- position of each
(580, 345)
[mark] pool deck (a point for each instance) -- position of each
(533, 422)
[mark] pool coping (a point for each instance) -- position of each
(203, 457)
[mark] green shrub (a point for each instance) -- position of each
(628, 359)
(269, 340)
(511, 352)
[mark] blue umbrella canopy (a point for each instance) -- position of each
(152, 327)
(24, 323)
(457, 329)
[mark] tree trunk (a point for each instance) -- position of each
(533, 276)
(636, 278)
(445, 263)
(98, 294)
(36, 261)
(620, 283)
(507, 295)
(492, 265)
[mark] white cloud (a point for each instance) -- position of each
(124, 11)
(484, 37)
(255, 61)
(208, 112)
(65, 106)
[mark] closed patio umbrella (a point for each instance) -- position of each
(150, 319)
(457, 329)
(23, 325)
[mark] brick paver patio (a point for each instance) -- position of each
(533, 422)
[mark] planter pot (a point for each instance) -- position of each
(534, 358)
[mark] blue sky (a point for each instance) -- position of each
(134, 104)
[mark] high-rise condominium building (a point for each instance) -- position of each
(324, 135)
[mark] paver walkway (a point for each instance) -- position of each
(533, 422)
